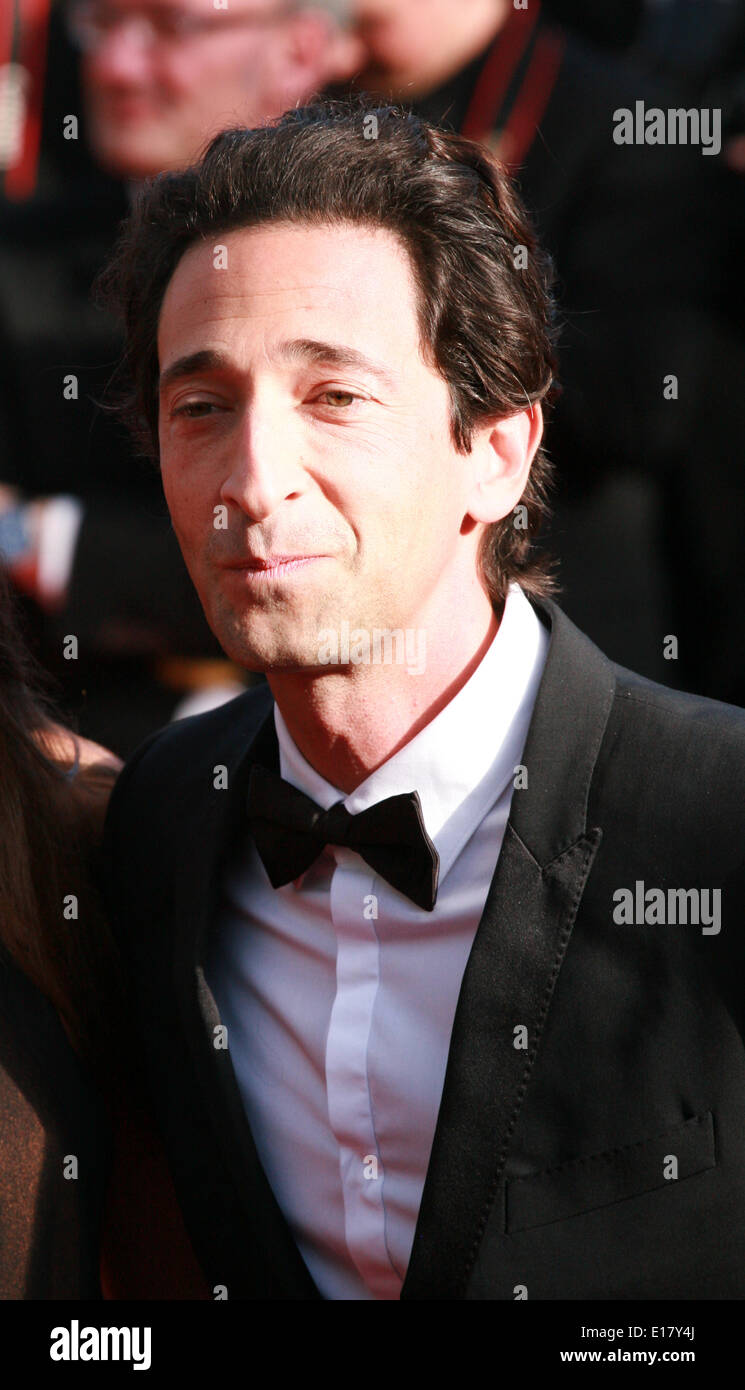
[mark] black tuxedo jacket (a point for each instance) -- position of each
(603, 1159)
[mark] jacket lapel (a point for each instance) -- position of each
(546, 858)
(238, 1229)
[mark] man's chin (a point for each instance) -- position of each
(263, 655)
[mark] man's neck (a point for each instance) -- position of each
(349, 721)
(448, 51)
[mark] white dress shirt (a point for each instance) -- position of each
(339, 994)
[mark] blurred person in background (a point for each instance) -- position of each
(647, 241)
(161, 78)
(614, 24)
(57, 990)
(75, 1131)
(83, 527)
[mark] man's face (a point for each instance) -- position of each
(164, 76)
(313, 433)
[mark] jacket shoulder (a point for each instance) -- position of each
(679, 717)
(671, 770)
(167, 762)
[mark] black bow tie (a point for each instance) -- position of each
(290, 831)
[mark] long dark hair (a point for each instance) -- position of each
(49, 827)
(485, 305)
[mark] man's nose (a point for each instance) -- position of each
(267, 468)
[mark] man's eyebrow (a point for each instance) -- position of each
(207, 360)
(298, 349)
(336, 355)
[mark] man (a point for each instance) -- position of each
(82, 523)
(435, 940)
(647, 240)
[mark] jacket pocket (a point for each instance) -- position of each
(599, 1179)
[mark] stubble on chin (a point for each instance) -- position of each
(268, 639)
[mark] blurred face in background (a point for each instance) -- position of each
(161, 77)
(411, 45)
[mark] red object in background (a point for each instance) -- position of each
(494, 81)
(541, 53)
(24, 34)
(527, 112)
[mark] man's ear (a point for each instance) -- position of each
(501, 454)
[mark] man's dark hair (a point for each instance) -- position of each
(485, 309)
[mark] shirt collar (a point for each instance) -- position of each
(462, 761)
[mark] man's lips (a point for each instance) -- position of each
(269, 566)
(265, 562)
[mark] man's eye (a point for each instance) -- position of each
(195, 410)
(339, 399)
